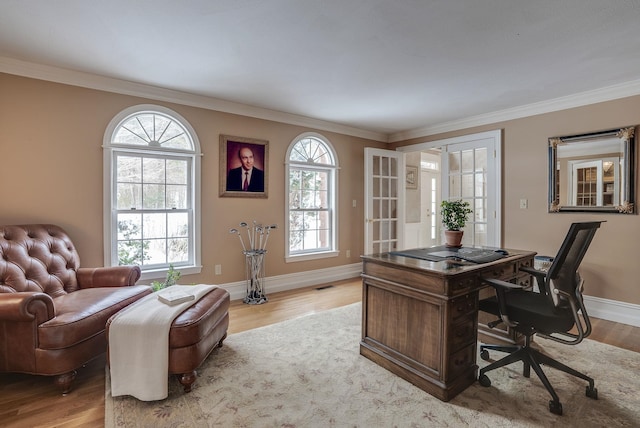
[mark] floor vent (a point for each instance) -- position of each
(324, 287)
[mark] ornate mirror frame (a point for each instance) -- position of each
(615, 193)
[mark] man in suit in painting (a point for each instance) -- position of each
(245, 178)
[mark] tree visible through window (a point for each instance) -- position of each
(311, 190)
(152, 215)
(152, 210)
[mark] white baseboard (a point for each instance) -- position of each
(612, 310)
(275, 284)
(597, 307)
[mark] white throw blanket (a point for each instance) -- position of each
(139, 344)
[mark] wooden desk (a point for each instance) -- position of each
(420, 318)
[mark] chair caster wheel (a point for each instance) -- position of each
(484, 380)
(592, 393)
(484, 354)
(555, 407)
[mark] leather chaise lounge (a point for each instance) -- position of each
(53, 313)
(195, 333)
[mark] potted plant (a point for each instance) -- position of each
(172, 278)
(454, 217)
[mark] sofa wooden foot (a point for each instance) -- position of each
(187, 379)
(219, 345)
(64, 381)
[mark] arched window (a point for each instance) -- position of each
(312, 186)
(151, 188)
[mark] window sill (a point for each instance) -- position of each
(311, 256)
(162, 273)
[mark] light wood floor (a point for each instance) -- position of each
(33, 401)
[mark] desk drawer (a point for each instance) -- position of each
(464, 305)
(526, 263)
(461, 361)
(462, 284)
(504, 272)
(525, 280)
(463, 333)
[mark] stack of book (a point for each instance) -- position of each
(174, 297)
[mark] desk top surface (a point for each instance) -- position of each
(436, 259)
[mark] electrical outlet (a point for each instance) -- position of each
(354, 203)
(348, 253)
(218, 269)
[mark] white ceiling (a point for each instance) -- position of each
(384, 67)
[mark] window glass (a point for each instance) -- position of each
(311, 192)
(152, 179)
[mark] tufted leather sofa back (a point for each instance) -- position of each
(37, 258)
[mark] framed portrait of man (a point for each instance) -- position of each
(243, 167)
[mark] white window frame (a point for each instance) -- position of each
(332, 170)
(112, 150)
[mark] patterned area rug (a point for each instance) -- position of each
(308, 372)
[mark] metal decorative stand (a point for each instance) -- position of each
(257, 236)
(254, 260)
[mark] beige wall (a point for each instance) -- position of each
(611, 268)
(51, 171)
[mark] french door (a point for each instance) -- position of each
(470, 169)
(384, 200)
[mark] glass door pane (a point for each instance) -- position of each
(467, 178)
(384, 189)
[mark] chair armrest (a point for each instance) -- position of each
(26, 306)
(502, 287)
(115, 276)
(540, 276)
(533, 271)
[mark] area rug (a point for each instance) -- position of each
(308, 372)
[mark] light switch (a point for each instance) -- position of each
(523, 204)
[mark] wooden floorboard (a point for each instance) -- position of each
(33, 401)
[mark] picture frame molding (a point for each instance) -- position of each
(411, 177)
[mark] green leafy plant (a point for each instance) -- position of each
(454, 214)
(172, 278)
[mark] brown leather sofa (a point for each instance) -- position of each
(52, 312)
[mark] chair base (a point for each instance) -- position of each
(532, 358)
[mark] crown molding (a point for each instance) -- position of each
(108, 84)
(607, 93)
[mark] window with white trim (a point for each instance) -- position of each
(311, 209)
(152, 170)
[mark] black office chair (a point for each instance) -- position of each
(553, 312)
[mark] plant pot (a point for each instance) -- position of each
(453, 238)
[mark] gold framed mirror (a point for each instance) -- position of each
(593, 172)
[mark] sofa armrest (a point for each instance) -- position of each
(26, 306)
(116, 276)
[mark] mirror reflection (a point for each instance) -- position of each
(592, 172)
